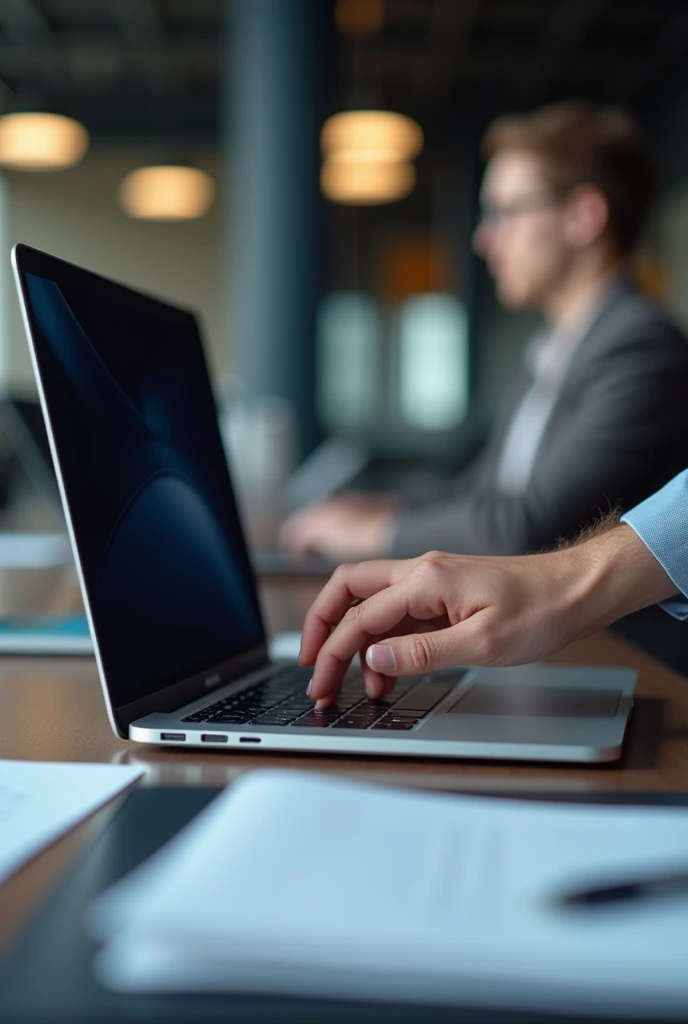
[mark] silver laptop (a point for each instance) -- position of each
(166, 579)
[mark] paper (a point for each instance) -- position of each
(285, 645)
(45, 634)
(33, 550)
(302, 885)
(39, 801)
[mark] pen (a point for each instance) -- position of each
(640, 888)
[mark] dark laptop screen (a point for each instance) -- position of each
(160, 543)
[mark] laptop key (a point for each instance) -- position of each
(318, 719)
(271, 720)
(401, 725)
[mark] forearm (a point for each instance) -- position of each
(609, 576)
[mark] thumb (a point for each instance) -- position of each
(417, 653)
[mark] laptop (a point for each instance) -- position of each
(333, 464)
(168, 586)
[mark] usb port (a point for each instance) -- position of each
(173, 736)
(212, 737)
(249, 739)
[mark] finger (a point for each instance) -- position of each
(379, 615)
(375, 684)
(347, 584)
(418, 653)
(389, 683)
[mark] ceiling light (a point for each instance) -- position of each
(166, 192)
(371, 135)
(359, 18)
(366, 182)
(41, 142)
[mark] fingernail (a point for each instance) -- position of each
(381, 658)
(308, 688)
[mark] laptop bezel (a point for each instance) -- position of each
(25, 259)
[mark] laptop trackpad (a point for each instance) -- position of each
(516, 699)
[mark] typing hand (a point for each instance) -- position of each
(410, 617)
(348, 526)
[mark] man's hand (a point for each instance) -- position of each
(348, 526)
(409, 617)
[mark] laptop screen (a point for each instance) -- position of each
(160, 543)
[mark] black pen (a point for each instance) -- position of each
(640, 888)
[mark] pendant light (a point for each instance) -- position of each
(166, 192)
(41, 141)
(367, 156)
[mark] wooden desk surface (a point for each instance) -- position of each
(52, 710)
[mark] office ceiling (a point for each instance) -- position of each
(124, 66)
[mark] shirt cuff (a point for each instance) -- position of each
(661, 522)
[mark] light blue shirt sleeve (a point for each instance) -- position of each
(661, 522)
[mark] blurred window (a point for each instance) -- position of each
(348, 354)
(433, 361)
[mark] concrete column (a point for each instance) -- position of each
(274, 111)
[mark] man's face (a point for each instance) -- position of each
(522, 234)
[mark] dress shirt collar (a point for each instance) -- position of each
(551, 350)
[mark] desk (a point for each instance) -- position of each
(52, 710)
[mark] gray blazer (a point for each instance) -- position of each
(618, 431)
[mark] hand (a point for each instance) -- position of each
(410, 617)
(348, 526)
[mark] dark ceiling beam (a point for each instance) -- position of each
(497, 62)
(669, 47)
(449, 32)
(23, 24)
(142, 30)
(32, 59)
(22, 21)
(564, 33)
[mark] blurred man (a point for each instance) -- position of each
(599, 420)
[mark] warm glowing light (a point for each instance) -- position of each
(166, 192)
(365, 182)
(359, 18)
(371, 135)
(41, 142)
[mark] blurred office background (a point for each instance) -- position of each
(335, 281)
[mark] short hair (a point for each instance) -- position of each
(578, 143)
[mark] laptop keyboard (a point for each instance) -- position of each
(281, 701)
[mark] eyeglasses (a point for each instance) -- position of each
(494, 214)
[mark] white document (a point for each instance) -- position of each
(33, 550)
(285, 645)
(297, 884)
(40, 801)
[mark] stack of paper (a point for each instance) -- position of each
(295, 884)
(39, 801)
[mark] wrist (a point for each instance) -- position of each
(612, 575)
